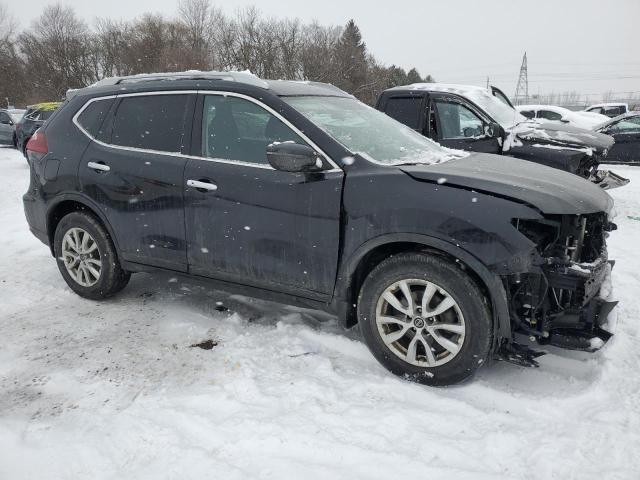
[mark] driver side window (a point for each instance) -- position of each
(458, 121)
(237, 129)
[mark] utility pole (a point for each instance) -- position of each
(522, 89)
(487, 81)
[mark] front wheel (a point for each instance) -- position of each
(87, 258)
(425, 319)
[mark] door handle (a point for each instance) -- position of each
(99, 166)
(202, 185)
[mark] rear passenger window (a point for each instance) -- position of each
(153, 122)
(528, 113)
(549, 115)
(405, 109)
(614, 111)
(93, 115)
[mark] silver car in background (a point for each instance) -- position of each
(7, 128)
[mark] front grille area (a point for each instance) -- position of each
(571, 266)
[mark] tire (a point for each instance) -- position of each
(464, 328)
(95, 253)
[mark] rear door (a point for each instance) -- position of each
(249, 223)
(455, 123)
(134, 171)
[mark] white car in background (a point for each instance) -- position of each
(552, 113)
(611, 110)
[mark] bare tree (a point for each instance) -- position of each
(200, 19)
(316, 55)
(8, 25)
(11, 68)
(112, 40)
(57, 52)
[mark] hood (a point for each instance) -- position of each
(549, 190)
(562, 135)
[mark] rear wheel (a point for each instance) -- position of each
(425, 319)
(87, 258)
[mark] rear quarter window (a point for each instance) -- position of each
(405, 109)
(92, 117)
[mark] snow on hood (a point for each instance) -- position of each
(578, 119)
(551, 135)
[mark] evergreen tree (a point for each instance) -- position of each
(413, 76)
(351, 59)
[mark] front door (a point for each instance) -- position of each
(249, 223)
(454, 124)
(134, 171)
(626, 133)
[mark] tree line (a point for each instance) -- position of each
(59, 51)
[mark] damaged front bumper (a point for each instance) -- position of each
(581, 328)
(563, 297)
(607, 180)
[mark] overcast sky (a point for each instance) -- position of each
(585, 45)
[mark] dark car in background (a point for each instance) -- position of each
(625, 129)
(34, 118)
(299, 193)
(480, 120)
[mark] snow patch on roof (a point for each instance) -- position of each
(440, 87)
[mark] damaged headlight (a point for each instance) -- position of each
(543, 233)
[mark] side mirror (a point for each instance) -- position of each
(494, 130)
(293, 157)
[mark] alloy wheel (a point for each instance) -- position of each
(81, 257)
(420, 322)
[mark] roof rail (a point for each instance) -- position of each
(240, 77)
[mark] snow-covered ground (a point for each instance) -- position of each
(113, 390)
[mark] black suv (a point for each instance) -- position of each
(483, 120)
(299, 193)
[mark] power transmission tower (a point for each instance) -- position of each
(522, 89)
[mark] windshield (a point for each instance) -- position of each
(364, 130)
(501, 112)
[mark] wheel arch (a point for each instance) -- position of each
(69, 203)
(372, 252)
